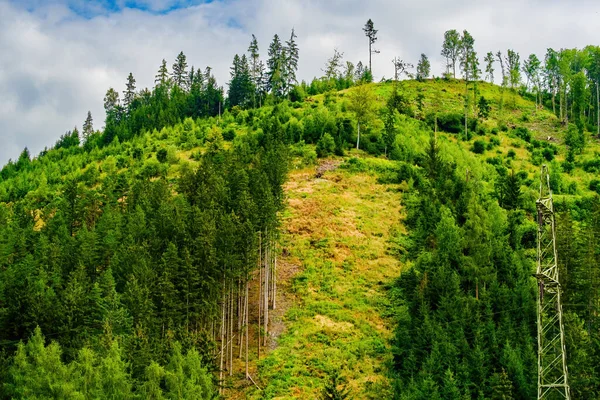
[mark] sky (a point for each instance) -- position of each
(59, 57)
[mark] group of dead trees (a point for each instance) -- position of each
(242, 306)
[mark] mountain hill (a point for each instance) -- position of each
(163, 252)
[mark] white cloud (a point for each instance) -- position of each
(56, 65)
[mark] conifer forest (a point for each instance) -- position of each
(341, 238)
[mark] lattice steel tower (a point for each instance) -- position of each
(553, 380)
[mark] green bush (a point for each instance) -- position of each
(511, 154)
(548, 154)
(161, 155)
(448, 122)
(523, 133)
(595, 185)
(478, 147)
(325, 145)
(229, 134)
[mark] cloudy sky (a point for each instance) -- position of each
(58, 57)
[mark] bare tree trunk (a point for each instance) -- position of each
(231, 313)
(358, 137)
(246, 325)
(597, 108)
(266, 294)
(274, 281)
(259, 290)
(222, 337)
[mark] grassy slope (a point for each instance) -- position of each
(336, 232)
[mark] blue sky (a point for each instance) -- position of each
(90, 9)
(59, 57)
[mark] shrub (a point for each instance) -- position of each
(595, 185)
(161, 155)
(229, 134)
(523, 133)
(478, 147)
(592, 165)
(484, 107)
(325, 145)
(511, 154)
(447, 122)
(548, 154)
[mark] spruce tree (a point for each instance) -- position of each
(275, 65)
(163, 74)
(179, 73)
(129, 93)
(88, 127)
(291, 61)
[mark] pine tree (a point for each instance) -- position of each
(88, 127)
(129, 93)
(371, 34)
(276, 68)
(501, 386)
(179, 71)
(291, 61)
(255, 71)
(241, 88)
(163, 74)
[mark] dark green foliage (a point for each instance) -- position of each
(325, 146)
(484, 107)
(478, 147)
(229, 134)
(575, 138)
(456, 325)
(448, 122)
(241, 89)
(400, 102)
(548, 154)
(161, 155)
(69, 139)
(116, 266)
(594, 185)
(523, 133)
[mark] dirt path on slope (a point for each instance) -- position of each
(331, 300)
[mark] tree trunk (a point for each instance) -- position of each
(222, 338)
(247, 320)
(370, 70)
(358, 137)
(598, 108)
(259, 290)
(274, 280)
(266, 294)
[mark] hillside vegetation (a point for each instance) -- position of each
(128, 263)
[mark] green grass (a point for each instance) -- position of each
(337, 231)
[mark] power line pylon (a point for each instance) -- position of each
(553, 380)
